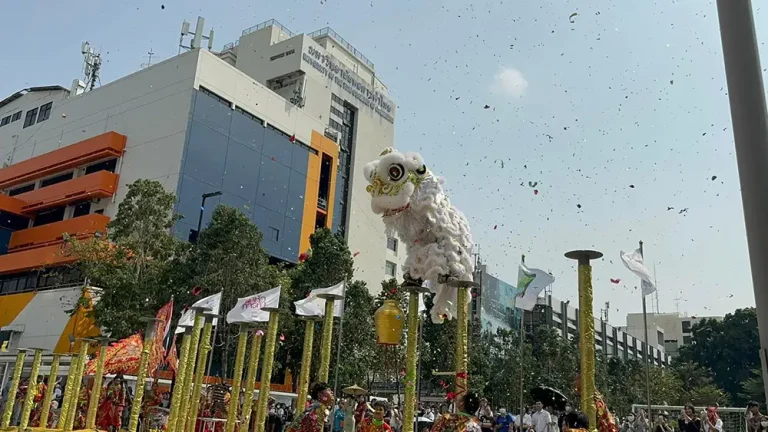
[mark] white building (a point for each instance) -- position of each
(281, 130)
(609, 340)
(675, 328)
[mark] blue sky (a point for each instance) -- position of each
(615, 114)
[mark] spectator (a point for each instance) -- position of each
(338, 416)
(487, 421)
(753, 416)
(541, 418)
(504, 420)
(687, 421)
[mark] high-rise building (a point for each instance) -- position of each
(278, 125)
(675, 329)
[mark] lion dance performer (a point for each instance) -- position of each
(314, 417)
(605, 421)
(413, 205)
(112, 404)
(467, 404)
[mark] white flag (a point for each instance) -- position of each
(531, 282)
(315, 306)
(634, 262)
(212, 302)
(251, 309)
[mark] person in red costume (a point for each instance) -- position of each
(314, 417)
(37, 410)
(362, 410)
(110, 415)
(464, 420)
(375, 423)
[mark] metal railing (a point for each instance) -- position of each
(230, 45)
(267, 23)
(327, 31)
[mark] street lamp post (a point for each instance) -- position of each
(202, 210)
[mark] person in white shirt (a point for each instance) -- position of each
(527, 422)
(711, 420)
(541, 419)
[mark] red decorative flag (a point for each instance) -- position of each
(171, 359)
(157, 351)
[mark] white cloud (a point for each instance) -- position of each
(510, 81)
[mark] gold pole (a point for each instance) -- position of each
(266, 369)
(29, 398)
(82, 360)
(74, 360)
(141, 376)
(410, 357)
(11, 396)
(191, 360)
(250, 378)
(181, 372)
(462, 318)
(197, 387)
(586, 333)
(98, 380)
(237, 378)
(52, 375)
(326, 343)
(306, 360)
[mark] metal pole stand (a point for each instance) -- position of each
(586, 333)
(98, 378)
(326, 343)
(411, 354)
(306, 358)
(29, 398)
(462, 338)
(266, 368)
(138, 397)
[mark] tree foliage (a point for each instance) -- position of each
(138, 264)
(728, 348)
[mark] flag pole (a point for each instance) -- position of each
(645, 353)
(338, 344)
(746, 95)
(522, 336)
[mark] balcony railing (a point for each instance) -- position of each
(322, 204)
(327, 31)
(53, 233)
(101, 184)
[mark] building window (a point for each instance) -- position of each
(21, 189)
(223, 101)
(16, 116)
(249, 115)
(31, 117)
(107, 165)
(57, 179)
(392, 244)
(46, 217)
(5, 121)
(45, 112)
(274, 234)
(390, 269)
(686, 326)
(659, 337)
(687, 340)
(82, 209)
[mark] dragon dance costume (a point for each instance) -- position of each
(605, 422)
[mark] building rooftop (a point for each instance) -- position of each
(22, 92)
(317, 34)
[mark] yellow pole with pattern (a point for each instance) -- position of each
(197, 388)
(52, 375)
(141, 376)
(326, 344)
(266, 369)
(586, 333)
(411, 350)
(237, 378)
(98, 379)
(29, 397)
(82, 361)
(181, 371)
(11, 397)
(74, 360)
(187, 390)
(462, 339)
(250, 378)
(306, 360)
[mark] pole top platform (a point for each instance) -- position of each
(584, 256)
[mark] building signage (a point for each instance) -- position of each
(330, 67)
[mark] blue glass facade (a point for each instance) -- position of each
(258, 170)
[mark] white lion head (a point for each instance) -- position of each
(393, 180)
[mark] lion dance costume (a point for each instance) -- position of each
(605, 421)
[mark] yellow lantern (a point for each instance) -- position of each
(389, 319)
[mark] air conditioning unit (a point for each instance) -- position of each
(332, 134)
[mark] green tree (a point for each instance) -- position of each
(728, 348)
(752, 388)
(138, 264)
(228, 257)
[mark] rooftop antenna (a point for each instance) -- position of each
(677, 304)
(198, 36)
(91, 65)
(149, 62)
